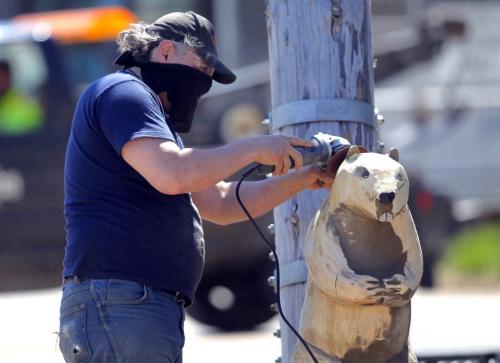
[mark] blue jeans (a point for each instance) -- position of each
(120, 321)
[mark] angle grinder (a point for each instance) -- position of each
(327, 151)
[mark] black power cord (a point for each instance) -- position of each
(273, 251)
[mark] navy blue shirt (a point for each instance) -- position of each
(117, 224)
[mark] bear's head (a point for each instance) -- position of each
(373, 185)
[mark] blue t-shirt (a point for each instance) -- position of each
(117, 224)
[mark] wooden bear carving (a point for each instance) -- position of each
(365, 263)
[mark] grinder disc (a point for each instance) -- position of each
(334, 162)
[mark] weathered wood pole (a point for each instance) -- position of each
(320, 54)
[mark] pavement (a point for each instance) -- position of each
(442, 323)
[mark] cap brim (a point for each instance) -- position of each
(222, 73)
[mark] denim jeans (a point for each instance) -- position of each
(120, 321)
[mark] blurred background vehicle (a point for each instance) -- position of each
(436, 77)
(51, 57)
(37, 48)
(443, 114)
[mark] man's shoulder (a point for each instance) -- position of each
(117, 91)
(121, 80)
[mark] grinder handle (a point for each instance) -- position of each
(263, 169)
(310, 155)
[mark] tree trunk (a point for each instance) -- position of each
(318, 49)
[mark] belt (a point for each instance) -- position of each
(177, 294)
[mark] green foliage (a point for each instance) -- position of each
(475, 251)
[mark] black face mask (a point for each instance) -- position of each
(184, 86)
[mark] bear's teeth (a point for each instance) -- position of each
(386, 217)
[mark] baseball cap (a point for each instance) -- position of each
(198, 32)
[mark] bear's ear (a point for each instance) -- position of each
(353, 153)
(394, 154)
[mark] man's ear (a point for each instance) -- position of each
(162, 51)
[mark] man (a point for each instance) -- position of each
(19, 115)
(134, 251)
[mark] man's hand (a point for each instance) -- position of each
(277, 151)
(313, 178)
(219, 205)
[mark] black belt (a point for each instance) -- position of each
(177, 294)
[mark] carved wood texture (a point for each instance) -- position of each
(364, 263)
(318, 49)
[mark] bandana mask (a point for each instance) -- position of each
(184, 86)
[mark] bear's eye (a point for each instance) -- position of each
(363, 172)
(400, 177)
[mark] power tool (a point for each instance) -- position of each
(328, 152)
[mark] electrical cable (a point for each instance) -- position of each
(273, 251)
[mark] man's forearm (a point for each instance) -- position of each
(259, 197)
(171, 170)
(200, 169)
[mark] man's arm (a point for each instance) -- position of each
(219, 205)
(171, 170)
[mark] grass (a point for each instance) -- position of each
(475, 252)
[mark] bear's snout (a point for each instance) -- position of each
(386, 198)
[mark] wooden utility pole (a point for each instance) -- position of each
(321, 80)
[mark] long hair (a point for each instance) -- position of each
(139, 40)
